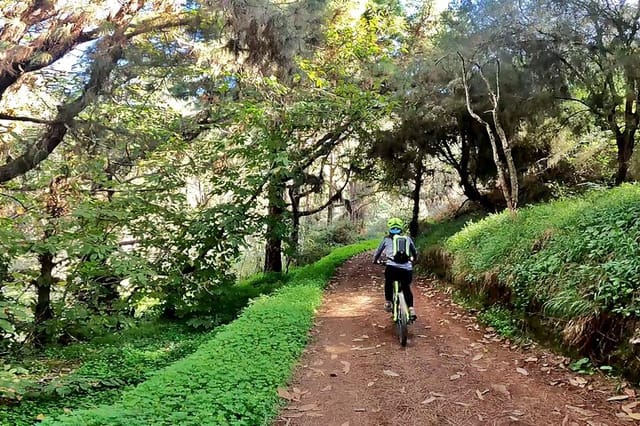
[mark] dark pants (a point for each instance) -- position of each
(391, 274)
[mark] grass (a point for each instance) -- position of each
(232, 379)
(567, 271)
(96, 372)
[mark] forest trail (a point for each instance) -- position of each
(452, 372)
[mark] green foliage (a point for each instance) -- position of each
(575, 256)
(502, 320)
(434, 233)
(582, 366)
(86, 374)
(319, 242)
(232, 379)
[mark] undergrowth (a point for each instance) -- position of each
(87, 374)
(568, 271)
(232, 379)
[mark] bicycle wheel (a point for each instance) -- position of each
(403, 320)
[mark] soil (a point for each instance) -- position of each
(453, 370)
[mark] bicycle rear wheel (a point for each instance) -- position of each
(403, 320)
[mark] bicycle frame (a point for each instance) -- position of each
(400, 313)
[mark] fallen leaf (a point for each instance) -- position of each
(577, 381)
(317, 371)
(531, 359)
(502, 389)
(307, 407)
(627, 408)
(522, 371)
(40, 417)
(313, 414)
(618, 398)
(360, 410)
(477, 357)
(285, 394)
(326, 388)
(454, 377)
(634, 416)
(370, 384)
(517, 413)
(391, 373)
(347, 366)
(463, 404)
(429, 400)
(292, 415)
(581, 411)
(479, 395)
(437, 394)
(334, 356)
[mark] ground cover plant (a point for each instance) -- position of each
(572, 265)
(232, 379)
(90, 373)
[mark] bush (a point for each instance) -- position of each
(319, 242)
(574, 257)
(571, 266)
(90, 373)
(232, 379)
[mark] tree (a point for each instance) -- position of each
(508, 186)
(591, 46)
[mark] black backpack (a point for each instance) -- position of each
(401, 249)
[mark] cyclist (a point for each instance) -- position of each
(399, 268)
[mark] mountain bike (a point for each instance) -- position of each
(400, 313)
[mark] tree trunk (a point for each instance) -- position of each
(415, 197)
(509, 187)
(330, 206)
(468, 187)
(625, 140)
(43, 311)
(294, 237)
(275, 219)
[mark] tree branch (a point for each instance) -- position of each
(56, 131)
(9, 117)
(331, 200)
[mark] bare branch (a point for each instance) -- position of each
(9, 117)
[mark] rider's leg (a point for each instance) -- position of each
(390, 275)
(405, 280)
(406, 289)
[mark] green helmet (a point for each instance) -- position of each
(395, 225)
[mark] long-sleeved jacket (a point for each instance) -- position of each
(386, 247)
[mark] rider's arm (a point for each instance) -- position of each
(413, 250)
(379, 251)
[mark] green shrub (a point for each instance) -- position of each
(569, 270)
(320, 242)
(90, 373)
(574, 257)
(232, 379)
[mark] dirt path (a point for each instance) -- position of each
(452, 372)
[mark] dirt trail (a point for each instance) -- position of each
(452, 372)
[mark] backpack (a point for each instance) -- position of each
(401, 249)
